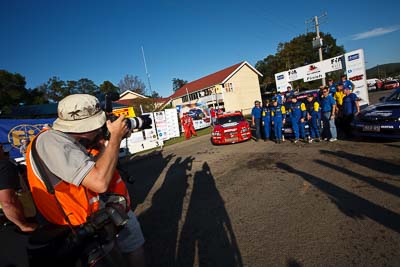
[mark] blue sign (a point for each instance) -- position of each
(280, 77)
(13, 131)
(354, 57)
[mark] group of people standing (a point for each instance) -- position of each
(334, 105)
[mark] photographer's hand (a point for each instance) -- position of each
(118, 128)
(100, 176)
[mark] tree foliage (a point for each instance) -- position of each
(108, 87)
(132, 83)
(293, 54)
(12, 90)
(178, 83)
(155, 94)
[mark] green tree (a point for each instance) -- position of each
(296, 53)
(155, 94)
(36, 97)
(178, 83)
(86, 86)
(55, 89)
(132, 83)
(12, 90)
(108, 87)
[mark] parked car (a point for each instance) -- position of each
(230, 127)
(391, 84)
(380, 120)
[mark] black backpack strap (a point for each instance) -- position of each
(45, 173)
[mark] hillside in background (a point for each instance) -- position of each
(383, 71)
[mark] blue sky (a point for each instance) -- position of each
(102, 40)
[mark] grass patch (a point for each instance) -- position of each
(205, 131)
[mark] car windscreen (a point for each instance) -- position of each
(395, 97)
(229, 119)
(391, 82)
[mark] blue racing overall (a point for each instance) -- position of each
(278, 114)
(297, 112)
(266, 120)
(313, 110)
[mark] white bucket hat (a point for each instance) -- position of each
(79, 113)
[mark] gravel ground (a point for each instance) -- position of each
(263, 204)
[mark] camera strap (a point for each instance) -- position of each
(44, 173)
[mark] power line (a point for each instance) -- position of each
(147, 73)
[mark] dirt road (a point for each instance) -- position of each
(263, 204)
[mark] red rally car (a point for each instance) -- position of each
(230, 127)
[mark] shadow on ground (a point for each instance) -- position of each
(347, 202)
(206, 237)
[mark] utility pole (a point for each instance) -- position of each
(317, 42)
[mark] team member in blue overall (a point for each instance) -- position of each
(266, 120)
(278, 115)
(256, 118)
(297, 111)
(314, 118)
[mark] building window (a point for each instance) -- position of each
(185, 98)
(228, 87)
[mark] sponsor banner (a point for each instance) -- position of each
(13, 131)
(353, 62)
(171, 116)
(314, 72)
(199, 113)
(128, 112)
(355, 70)
(161, 125)
(297, 74)
(282, 81)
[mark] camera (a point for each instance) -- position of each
(141, 122)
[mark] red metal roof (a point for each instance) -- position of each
(207, 81)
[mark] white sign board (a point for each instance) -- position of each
(355, 70)
(161, 125)
(171, 116)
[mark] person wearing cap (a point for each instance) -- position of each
(332, 87)
(289, 91)
(351, 108)
(78, 178)
(278, 115)
(256, 118)
(313, 117)
(346, 83)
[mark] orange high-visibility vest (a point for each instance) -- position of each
(77, 202)
(117, 185)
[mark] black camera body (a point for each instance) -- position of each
(140, 122)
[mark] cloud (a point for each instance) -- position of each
(375, 32)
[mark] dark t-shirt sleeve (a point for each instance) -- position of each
(8, 175)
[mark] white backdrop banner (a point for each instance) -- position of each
(355, 70)
(353, 62)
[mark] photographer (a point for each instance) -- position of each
(79, 179)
